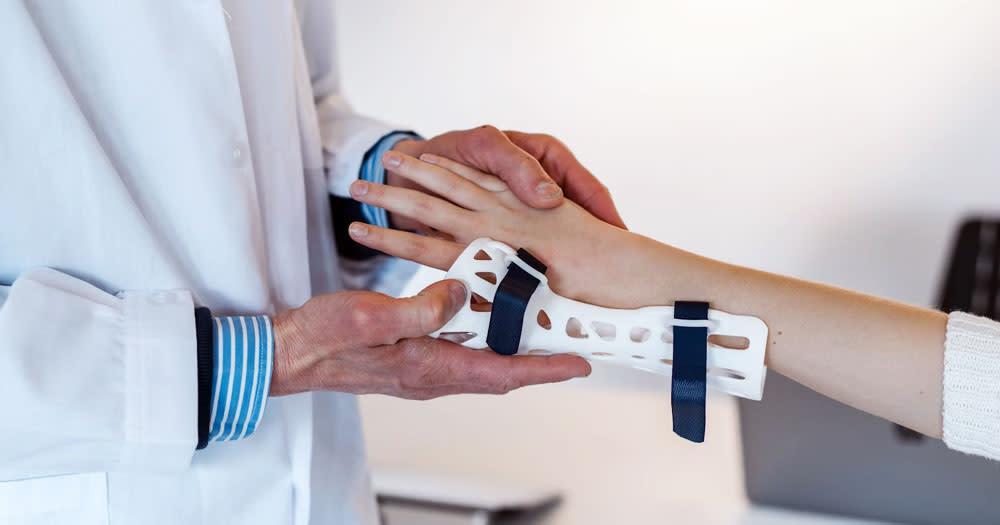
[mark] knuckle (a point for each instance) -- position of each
(416, 356)
(418, 370)
(526, 164)
(489, 130)
(511, 384)
(506, 384)
(376, 234)
(478, 222)
(483, 136)
(493, 379)
(363, 325)
(365, 318)
(415, 247)
(375, 191)
(360, 314)
(422, 207)
(545, 137)
(432, 316)
(450, 187)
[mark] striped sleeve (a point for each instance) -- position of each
(373, 171)
(241, 379)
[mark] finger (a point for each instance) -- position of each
(417, 205)
(580, 185)
(429, 251)
(400, 222)
(486, 148)
(427, 311)
(439, 180)
(488, 182)
(491, 373)
(431, 368)
(509, 372)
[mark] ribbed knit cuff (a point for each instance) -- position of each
(203, 330)
(971, 399)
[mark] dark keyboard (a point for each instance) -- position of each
(973, 281)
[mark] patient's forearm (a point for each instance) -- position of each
(876, 355)
(880, 356)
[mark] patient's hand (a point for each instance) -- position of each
(588, 259)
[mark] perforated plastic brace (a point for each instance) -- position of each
(642, 338)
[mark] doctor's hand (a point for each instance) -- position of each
(366, 342)
(538, 169)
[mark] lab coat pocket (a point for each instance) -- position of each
(81, 499)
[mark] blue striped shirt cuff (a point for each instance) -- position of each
(241, 380)
(373, 171)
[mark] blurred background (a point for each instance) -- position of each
(841, 142)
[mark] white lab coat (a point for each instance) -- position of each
(155, 156)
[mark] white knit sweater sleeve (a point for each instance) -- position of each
(971, 398)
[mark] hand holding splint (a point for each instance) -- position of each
(819, 332)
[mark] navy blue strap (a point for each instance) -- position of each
(687, 386)
(509, 303)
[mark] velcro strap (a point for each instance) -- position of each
(687, 385)
(509, 304)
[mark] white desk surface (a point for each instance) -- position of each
(605, 443)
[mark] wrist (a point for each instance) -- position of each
(287, 337)
(654, 273)
(632, 271)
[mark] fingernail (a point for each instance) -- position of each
(548, 190)
(457, 291)
(359, 188)
(392, 159)
(356, 229)
(429, 159)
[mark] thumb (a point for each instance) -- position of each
(429, 310)
(580, 185)
(488, 149)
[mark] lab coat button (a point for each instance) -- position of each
(162, 297)
(239, 154)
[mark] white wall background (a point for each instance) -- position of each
(839, 141)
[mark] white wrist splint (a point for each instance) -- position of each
(640, 338)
